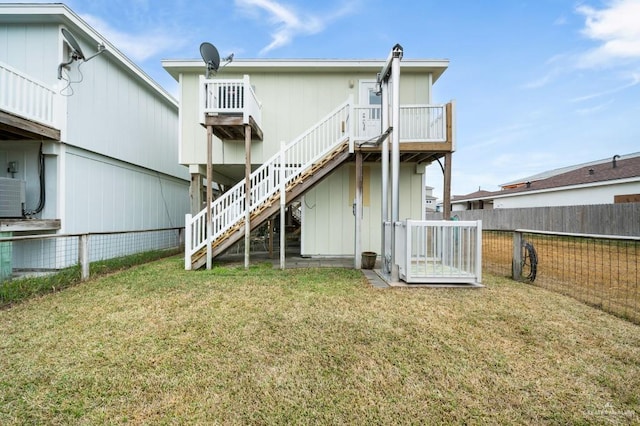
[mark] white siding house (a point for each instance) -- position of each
(106, 133)
(308, 102)
(606, 181)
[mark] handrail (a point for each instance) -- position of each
(418, 123)
(229, 96)
(22, 95)
(300, 155)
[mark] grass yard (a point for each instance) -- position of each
(156, 344)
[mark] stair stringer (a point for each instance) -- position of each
(294, 189)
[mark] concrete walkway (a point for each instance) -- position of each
(294, 260)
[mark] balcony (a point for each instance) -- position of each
(26, 107)
(439, 252)
(228, 105)
(424, 129)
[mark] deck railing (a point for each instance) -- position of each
(439, 251)
(22, 95)
(418, 123)
(293, 160)
(229, 96)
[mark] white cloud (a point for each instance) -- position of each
(289, 22)
(138, 47)
(617, 30)
(635, 80)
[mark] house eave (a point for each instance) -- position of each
(436, 67)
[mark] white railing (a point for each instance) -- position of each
(418, 123)
(439, 251)
(296, 157)
(229, 96)
(20, 94)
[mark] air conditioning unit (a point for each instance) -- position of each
(12, 197)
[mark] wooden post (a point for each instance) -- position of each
(270, 225)
(283, 204)
(446, 192)
(209, 193)
(247, 199)
(358, 212)
(195, 193)
(83, 256)
(516, 264)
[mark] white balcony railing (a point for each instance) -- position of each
(418, 123)
(22, 95)
(439, 251)
(229, 96)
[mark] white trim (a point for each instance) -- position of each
(434, 66)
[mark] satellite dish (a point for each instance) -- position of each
(77, 51)
(210, 56)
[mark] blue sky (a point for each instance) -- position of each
(538, 84)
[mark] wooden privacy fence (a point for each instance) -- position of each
(605, 219)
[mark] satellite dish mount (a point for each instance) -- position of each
(76, 51)
(211, 58)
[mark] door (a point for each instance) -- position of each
(369, 111)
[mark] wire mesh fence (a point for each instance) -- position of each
(597, 270)
(45, 254)
(601, 271)
(497, 252)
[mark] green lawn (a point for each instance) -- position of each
(156, 344)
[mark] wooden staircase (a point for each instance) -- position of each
(299, 166)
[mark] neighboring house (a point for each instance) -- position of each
(85, 146)
(607, 181)
(429, 199)
(325, 112)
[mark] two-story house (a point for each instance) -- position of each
(88, 141)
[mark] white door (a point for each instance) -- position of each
(369, 123)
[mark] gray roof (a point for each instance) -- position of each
(626, 167)
(561, 170)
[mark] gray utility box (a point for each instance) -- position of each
(12, 197)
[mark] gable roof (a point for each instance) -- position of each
(61, 14)
(590, 174)
(561, 170)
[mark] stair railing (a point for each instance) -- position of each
(300, 155)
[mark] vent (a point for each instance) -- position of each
(12, 197)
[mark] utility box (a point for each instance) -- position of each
(12, 197)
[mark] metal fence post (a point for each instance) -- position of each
(516, 264)
(83, 256)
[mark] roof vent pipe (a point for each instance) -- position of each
(591, 171)
(615, 163)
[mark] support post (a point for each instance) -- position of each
(516, 264)
(209, 193)
(247, 195)
(395, 155)
(83, 256)
(187, 242)
(385, 175)
(446, 192)
(358, 212)
(283, 204)
(195, 193)
(270, 233)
